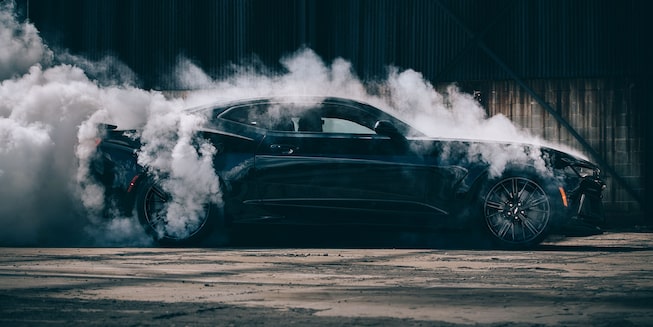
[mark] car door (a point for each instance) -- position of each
(333, 168)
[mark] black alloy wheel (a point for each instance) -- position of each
(152, 205)
(517, 211)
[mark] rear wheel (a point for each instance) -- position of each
(518, 211)
(171, 227)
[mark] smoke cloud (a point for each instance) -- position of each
(51, 103)
(185, 173)
(22, 46)
(47, 135)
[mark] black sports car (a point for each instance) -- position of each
(333, 161)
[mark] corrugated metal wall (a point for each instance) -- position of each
(537, 39)
(589, 59)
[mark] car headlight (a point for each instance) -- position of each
(582, 168)
(586, 171)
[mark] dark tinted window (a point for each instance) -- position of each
(303, 117)
(270, 116)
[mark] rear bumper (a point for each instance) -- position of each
(118, 172)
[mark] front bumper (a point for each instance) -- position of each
(585, 214)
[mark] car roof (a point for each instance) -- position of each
(225, 104)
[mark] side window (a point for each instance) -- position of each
(338, 118)
(263, 115)
(302, 117)
(331, 120)
(339, 125)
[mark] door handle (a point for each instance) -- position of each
(283, 148)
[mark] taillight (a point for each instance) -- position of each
(132, 183)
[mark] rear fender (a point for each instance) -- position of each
(122, 168)
(115, 166)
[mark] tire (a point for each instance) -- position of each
(151, 207)
(518, 209)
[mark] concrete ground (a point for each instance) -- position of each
(601, 280)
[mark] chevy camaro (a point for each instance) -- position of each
(339, 162)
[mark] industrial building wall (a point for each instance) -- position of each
(535, 38)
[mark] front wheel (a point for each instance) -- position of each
(169, 222)
(518, 210)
